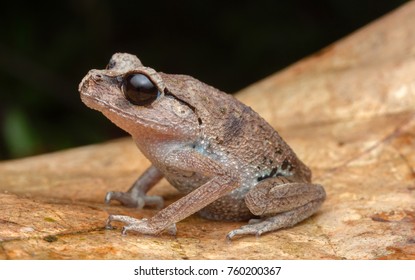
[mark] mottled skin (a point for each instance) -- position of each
(228, 161)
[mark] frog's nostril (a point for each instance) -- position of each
(98, 78)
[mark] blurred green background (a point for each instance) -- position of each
(46, 47)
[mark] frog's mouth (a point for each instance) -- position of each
(96, 91)
(119, 116)
(103, 93)
(108, 101)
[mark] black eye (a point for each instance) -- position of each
(139, 89)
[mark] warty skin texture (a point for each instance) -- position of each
(230, 163)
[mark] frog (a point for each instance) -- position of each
(227, 161)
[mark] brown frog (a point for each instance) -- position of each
(227, 160)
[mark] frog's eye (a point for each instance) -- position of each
(139, 89)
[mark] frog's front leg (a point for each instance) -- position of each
(188, 160)
(280, 204)
(136, 195)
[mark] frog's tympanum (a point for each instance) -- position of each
(229, 163)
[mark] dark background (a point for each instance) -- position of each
(46, 47)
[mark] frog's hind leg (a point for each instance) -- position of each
(280, 204)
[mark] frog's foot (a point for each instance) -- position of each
(135, 201)
(280, 204)
(287, 219)
(141, 226)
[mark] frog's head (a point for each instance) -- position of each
(136, 99)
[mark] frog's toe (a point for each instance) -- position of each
(125, 198)
(133, 201)
(130, 222)
(256, 227)
(139, 225)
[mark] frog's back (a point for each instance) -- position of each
(234, 132)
